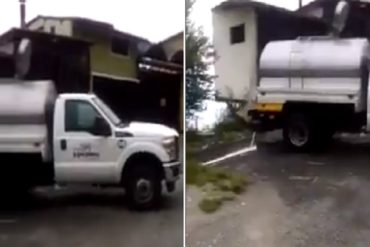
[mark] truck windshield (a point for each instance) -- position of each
(107, 111)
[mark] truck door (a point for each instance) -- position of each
(85, 149)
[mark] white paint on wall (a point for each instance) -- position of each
(236, 64)
(52, 25)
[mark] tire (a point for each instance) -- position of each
(299, 132)
(171, 186)
(143, 187)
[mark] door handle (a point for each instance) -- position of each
(63, 144)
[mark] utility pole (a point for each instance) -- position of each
(299, 4)
(22, 6)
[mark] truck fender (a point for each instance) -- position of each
(140, 147)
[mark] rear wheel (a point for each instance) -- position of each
(298, 132)
(143, 187)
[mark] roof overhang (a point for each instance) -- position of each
(15, 34)
(147, 64)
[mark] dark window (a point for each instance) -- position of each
(53, 30)
(80, 116)
(120, 46)
(237, 34)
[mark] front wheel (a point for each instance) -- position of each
(143, 188)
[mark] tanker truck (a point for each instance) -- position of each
(73, 138)
(313, 87)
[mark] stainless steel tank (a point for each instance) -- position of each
(314, 57)
(25, 102)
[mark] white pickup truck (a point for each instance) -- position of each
(47, 138)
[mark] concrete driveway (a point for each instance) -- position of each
(88, 217)
(319, 199)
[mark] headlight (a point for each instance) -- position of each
(170, 145)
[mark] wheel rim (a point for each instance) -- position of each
(298, 134)
(143, 190)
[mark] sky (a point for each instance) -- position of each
(151, 19)
(202, 17)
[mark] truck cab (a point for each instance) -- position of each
(92, 145)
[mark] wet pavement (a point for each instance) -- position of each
(295, 199)
(89, 217)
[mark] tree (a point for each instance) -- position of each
(198, 78)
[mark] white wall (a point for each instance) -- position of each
(236, 64)
(52, 25)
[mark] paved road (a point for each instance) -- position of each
(89, 217)
(317, 199)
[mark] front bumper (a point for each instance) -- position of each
(171, 171)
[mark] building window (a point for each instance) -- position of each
(237, 34)
(53, 30)
(120, 46)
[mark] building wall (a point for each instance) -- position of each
(171, 47)
(236, 63)
(105, 62)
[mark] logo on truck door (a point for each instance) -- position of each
(85, 151)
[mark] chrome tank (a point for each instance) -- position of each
(315, 69)
(25, 102)
(314, 57)
(26, 117)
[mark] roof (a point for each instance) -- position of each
(248, 3)
(174, 36)
(315, 3)
(16, 33)
(95, 23)
(260, 6)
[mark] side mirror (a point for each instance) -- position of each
(101, 128)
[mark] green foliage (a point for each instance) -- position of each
(193, 136)
(193, 171)
(221, 179)
(198, 79)
(230, 126)
(210, 205)
(219, 184)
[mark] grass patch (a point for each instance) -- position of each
(230, 136)
(223, 179)
(219, 184)
(210, 205)
(195, 141)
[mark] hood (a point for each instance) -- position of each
(150, 129)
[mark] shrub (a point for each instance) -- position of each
(210, 204)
